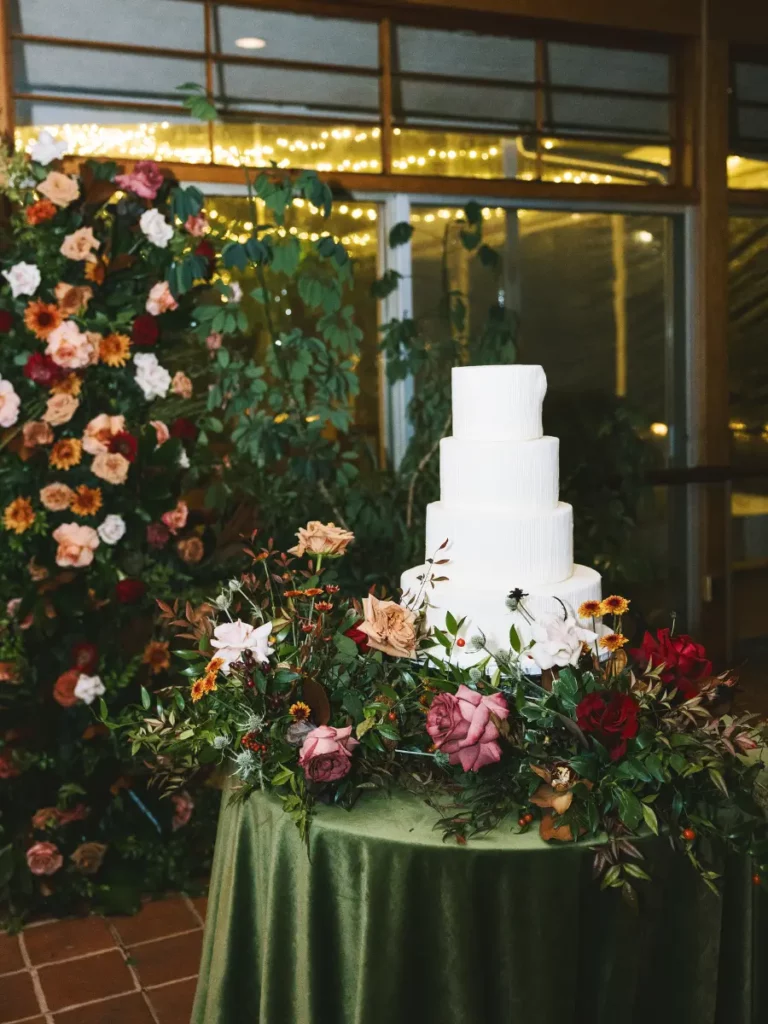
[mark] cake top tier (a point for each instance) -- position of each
(497, 403)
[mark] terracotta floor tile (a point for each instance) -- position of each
(10, 954)
(78, 981)
(17, 997)
(130, 1009)
(155, 920)
(173, 1003)
(60, 940)
(201, 905)
(167, 959)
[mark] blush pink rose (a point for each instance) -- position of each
(460, 725)
(44, 859)
(144, 180)
(161, 431)
(326, 752)
(160, 299)
(76, 544)
(69, 347)
(196, 226)
(176, 519)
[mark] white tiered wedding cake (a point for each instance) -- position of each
(499, 511)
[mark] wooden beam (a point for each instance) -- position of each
(7, 113)
(385, 93)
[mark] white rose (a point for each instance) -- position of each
(236, 292)
(232, 638)
(112, 529)
(9, 404)
(24, 279)
(46, 148)
(156, 228)
(153, 379)
(183, 459)
(88, 688)
(557, 642)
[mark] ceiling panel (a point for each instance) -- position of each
(168, 23)
(464, 54)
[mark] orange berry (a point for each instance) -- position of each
(689, 835)
(460, 642)
(392, 716)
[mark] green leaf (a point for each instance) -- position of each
(650, 819)
(488, 257)
(146, 700)
(636, 871)
(400, 234)
(473, 212)
(719, 781)
(630, 808)
(285, 259)
(450, 624)
(514, 640)
(388, 732)
(386, 284)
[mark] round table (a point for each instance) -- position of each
(379, 921)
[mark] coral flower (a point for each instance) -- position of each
(100, 431)
(156, 656)
(590, 610)
(19, 515)
(66, 453)
(86, 500)
(76, 545)
(115, 349)
(40, 212)
(41, 318)
(614, 605)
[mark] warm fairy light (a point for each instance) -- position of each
(645, 237)
(548, 144)
(737, 425)
(659, 429)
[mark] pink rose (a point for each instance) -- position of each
(183, 805)
(76, 544)
(460, 725)
(69, 347)
(44, 859)
(158, 535)
(160, 299)
(145, 179)
(196, 226)
(325, 753)
(176, 519)
(181, 385)
(161, 431)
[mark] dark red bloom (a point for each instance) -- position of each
(6, 321)
(158, 535)
(360, 638)
(612, 717)
(85, 656)
(685, 662)
(124, 444)
(206, 250)
(145, 331)
(42, 370)
(184, 429)
(130, 591)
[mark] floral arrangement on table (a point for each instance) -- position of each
(295, 689)
(100, 274)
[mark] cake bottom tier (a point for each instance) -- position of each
(486, 610)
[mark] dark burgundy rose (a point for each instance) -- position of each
(612, 717)
(158, 535)
(42, 370)
(184, 429)
(206, 250)
(685, 662)
(360, 638)
(130, 591)
(145, 331)
(124, 444)
(85, 656)
(6, 321)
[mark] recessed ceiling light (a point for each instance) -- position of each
(251, 43)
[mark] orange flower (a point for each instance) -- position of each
(590, 610)
(214, 666)
(72, 297)
(86, 501)
(191, 549)
(614, 605)
(111, 466)
(70, 385)
(56, 497)
(114, 350)
(613, 642)
(66, 453)
(95, 272)
(36, 432)
(41, 318)
(64, 688)
(209, 682)
(156, 656)
(198, 690)
(19, 515)
(299, 711)
(40, 211)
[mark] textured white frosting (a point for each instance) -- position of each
(497, 403)
(518, 475)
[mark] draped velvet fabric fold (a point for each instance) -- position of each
(381, 922)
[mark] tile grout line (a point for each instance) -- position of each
(36, 985)
(173, 981)
(92, 1002)
(134, 974)
(21, 1020)
(193, 909)
(160, 938)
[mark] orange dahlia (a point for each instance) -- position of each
(19, 515)
(70, 385)
(198, 690)
(614, 605)
(114, 350)
(66, 453)
(95, 272)
(590, 610)
(40, 211)
(41, 318)
(613, 642)
(214, 666)
(209, 682)
(156, 656)
(86, 501)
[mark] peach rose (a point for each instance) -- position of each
(162, 433)
(191, 549)
(87, 857)
(176, 519)
(318, 538)
(72, 297)
(45, 818)
(111, 466)
(196, 225)
(100, 431)
(69, 347)
(60, 409)
(44, 858)
(37, 433)
(56, 497)
(389, 627)
(181, 385)
(160, 299)
(64, 688)
(59, 188)
(80, 245)
(76, 544)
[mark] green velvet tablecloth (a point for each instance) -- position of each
(383, 923)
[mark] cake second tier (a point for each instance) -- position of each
(520, 475)
(491, 546)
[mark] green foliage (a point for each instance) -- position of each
(196, 101)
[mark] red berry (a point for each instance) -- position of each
(529, 818)
(522, 822)
(392, 716)
(689, 835)
(460, 642)
(756, 880)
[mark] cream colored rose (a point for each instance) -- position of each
(318, 538)
(69, 347)
(56, 497)
(59, 188)
(76, 545)
(389, 627)
(60, 409)
(100, 431)
(111, 466)
(80, 245)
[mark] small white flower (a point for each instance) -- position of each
(153, 379)
(9, 404)
(231, 639)
(156, 228)
(46, 148)
(24, 279)
(88, 688)
(557, 642)
(112, 529)
(220, 742)
(183, 459)
(224, 600)
(236, 292)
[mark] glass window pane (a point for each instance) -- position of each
(433, 102)
(122, 135)
(250, 87)
(604, 115)
(751, 81)
(601, 68)
(320, 148)
(464, 54)
(175, 24)
(747, 350)
(753, 123)
(748, 171)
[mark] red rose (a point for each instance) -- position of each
(612, 717)
(85, 656)
(184, 429)
(158, 535)
(6, 321)
(42, 370)
(145, 331)
(206, 250)
(360, 638)
(685, 662)
(124, 444)
(130, 591)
